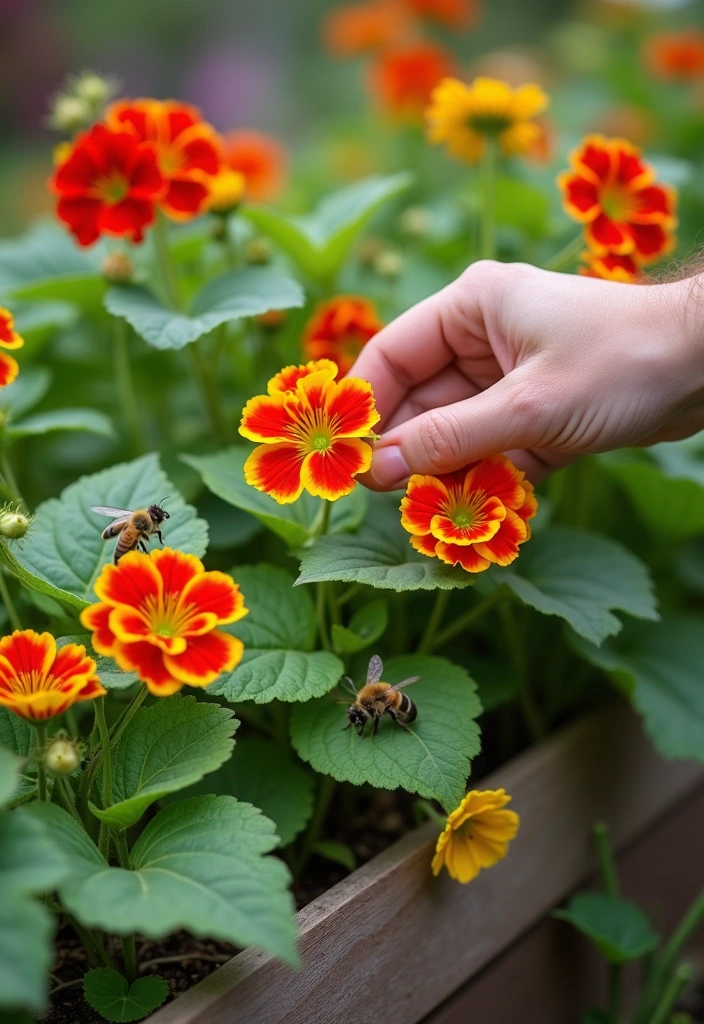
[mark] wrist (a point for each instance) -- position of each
(676, 327)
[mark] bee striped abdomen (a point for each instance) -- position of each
(406, 709)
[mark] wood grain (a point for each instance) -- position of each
(390, 943)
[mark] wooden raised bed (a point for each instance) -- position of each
(391, 943)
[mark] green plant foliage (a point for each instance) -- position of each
(111, 994)
(47, 264)
(26, 391)
(659, 668)
(10, 766)
(199, 865)
(278, 636)
(620, 929)
(248, 291)
(320, 242)
(338, 853)
(365, 627)
(434, 761)
(89, 420)
(265, 774)
(223, 474)
(163, 749)
(67, 551)
(581, 577)
(522, 205)
(672, 507)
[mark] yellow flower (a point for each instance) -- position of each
(476, 835)
(226, 190)
(464, 116)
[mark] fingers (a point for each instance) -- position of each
(508, 415)
(445, 388)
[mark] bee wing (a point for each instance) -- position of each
(350, 685)
(113, 513)
(376, 667)
(405, 682)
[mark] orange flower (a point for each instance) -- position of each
(260, 159)
(339, 329)
(157, 614)
(676, 55)
(452, 13)
(612, 191)
(38, 681)
(402, 80)
(188, 149)
(9, 338)
(311, 437)
(610, 267)
(107, 184)
(361, 28)
(472, 517)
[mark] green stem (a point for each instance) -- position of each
(433, 624)
(348, 594)
(615, 992)
(566, 256)
(210, 391)
(487, 224)
(167, 271)
(665, 964)
(125, 385)
(10, 481)
(671, 994)
(463, 621)
(529, 708)
(104, 840)
(321, 594)
(40, 728)
(129, 713)
(117, 731)
(62, 790)
(92, 943)
(609, 878)
(326, 791)
(427, 809)
(129, 951)
(12, 615)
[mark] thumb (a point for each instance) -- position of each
(507, 415)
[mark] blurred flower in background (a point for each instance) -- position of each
(401, 81)
(676, 55)
(260, 159)
(339, 329)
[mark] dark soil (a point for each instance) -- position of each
(375, 821)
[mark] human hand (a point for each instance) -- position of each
(543, 366)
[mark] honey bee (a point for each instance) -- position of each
(132, 529)
(376, 699)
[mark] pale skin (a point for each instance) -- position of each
(543, 366)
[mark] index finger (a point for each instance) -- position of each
(407, 352)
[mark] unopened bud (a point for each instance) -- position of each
(272, 320)
(69, 114)
(93, 89)
(117, 268)
(416, 221)
(258, 251)
(369, 250)
(227, 190)
(62, 757)
(388, 263)
(14, 524)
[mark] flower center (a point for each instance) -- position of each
(615, 203)
(489, 124)
(171, 159)
(28, 682)
(321, 441)
(113, 189)
(463, 510)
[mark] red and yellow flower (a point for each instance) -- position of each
(314, 433)
(38, 681)
(108, 184)
(188, 149)
(260, 159)
(339, 329)
(157, 615)
(611, 267)
(473, 517)
(402, 80)
(464, 117)
(9, 339)
(676, 55)
(612, 191)
(476, 835)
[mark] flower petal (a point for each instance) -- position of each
(350, 406)
(604, 235)
(267, 418)
(331, 473)
(489, 517)
(29, 652)
(503, 547)
(205, 658)
(497, 476)
(149, 664)
(287, 379)
(468, 557)
(425, 544)
(129, 627)
(276, 469)
(213, 594)
(425, 497)
(176, 568)
(72, 668)
(96, 618)
(9, 369)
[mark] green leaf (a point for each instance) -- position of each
(379, 555)
(29, 861)
(111, 675)
(433, 761)
(198, 865)
(320, 242)
(580, 577)
(25, 392)
(248, 291)
(365, 627)
(165, 748)
(16, 734)
(108, 992)
(338, 853)
(65, 549)
(47, 264)
(10, 766)
(266, 775)
(89, 420)
(223, 474)
(31, 581)
(659, 667)
(620, 929)
(521, 205)
(671, 507)
(278, 636)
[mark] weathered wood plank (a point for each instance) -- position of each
(390, 943)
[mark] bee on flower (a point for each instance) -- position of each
(476, 836)
(473, 517)
(313, 433)
(39, 681)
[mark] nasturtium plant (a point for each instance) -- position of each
(224, 655)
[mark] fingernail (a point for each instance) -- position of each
(389, 467)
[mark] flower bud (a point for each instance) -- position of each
(227, 190)
(258, 251)
(69, 114)
(62, 756)
(117, 268)
(388, 263)
(14, 524)
(416, 222)
(272, 320)
(93, 89)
